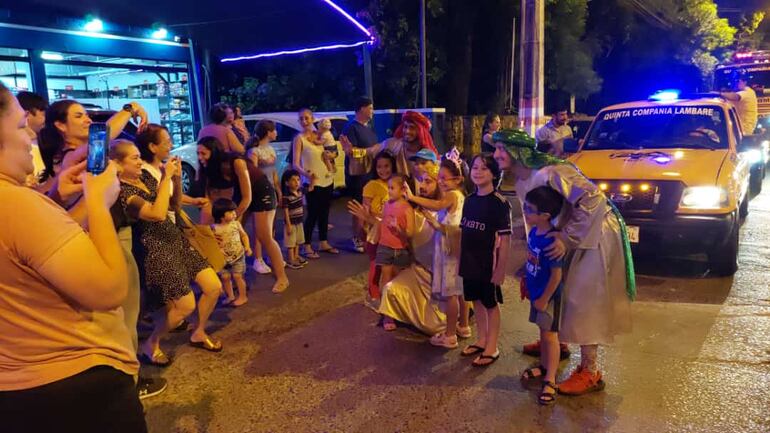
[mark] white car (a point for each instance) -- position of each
(287, 126)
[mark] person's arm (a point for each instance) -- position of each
(234, 144)
(503, 251)
(244, 240)
(487, 138)
(242, 175)
(286, 219)
(553, 283)
(157, 211)
(117, 123)
(409, 229)
(731, 96)
(276, 183)
(89, 269)
(175, 203)
(445, 202)
(296, 149)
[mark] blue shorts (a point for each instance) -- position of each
(387, 256)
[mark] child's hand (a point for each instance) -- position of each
(523, 293)
(249, 253)
(288, 228)
(540, 304)
(558, 249)
(408, 192)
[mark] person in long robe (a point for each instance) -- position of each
(599, 281)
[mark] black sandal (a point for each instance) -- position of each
(472, 350)
(478, 362)
(547, 398)
(531, 373)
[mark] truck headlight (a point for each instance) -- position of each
(755, 156)
(703, 197)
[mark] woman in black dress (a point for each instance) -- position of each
(167, 262)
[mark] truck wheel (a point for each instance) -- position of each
(724, 261)
(755, 180)
(743, 211)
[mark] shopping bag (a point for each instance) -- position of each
(202, 239)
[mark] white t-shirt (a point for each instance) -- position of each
(550, 133)
(264, 157)
(747, 110)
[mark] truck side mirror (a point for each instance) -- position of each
(571, 145)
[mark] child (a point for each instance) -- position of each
(234, 243)
(293, 216)
(446, 247)
(326, 139)
(375, 196)
(484, 247)
(544, 283)
(396, 228)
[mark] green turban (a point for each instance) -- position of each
(522, 148)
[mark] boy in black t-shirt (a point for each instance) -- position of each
(486, 233)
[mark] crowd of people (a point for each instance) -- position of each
(94, 253)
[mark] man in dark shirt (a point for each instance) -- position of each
(358, 132)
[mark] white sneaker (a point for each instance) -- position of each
(464, 332)
(442, 340)
(261, 267)
(358, 245)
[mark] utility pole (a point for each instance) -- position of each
(531, 64)
(423, 74)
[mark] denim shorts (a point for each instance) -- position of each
(236, 267)
(387, 256)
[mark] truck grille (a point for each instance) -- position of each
(642, 198)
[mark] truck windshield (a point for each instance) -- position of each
(659, 127)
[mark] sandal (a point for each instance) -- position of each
(479, 362)
(330, 250)
(533, 373)
(207, 344)
(472, 350)
(547, 398)
(312, 255)
(158, 359)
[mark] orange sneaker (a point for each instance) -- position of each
(533, 349)
(581, 382)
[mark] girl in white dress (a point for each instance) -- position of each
(446, 285)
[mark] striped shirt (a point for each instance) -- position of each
(294, 206)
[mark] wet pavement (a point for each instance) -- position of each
(314, 359)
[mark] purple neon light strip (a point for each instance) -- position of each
(347, 15)
(298, 51)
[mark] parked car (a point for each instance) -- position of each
(287, 126)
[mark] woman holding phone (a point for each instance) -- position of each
(166, 261)
(68, 364)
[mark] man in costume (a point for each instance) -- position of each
(599, 281)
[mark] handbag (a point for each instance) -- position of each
(202, 239)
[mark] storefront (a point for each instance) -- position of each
(104, 71)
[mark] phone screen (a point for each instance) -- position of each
(98, 141)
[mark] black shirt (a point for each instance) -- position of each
(484, 218)
(359, 135)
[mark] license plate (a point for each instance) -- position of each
(633, 234)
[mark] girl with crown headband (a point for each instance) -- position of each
(446, 285)
(599, 281)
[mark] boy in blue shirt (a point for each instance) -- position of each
(544, 284)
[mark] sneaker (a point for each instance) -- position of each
(464, 332)
(148, 387)
(358, 245)
(261, 267)
(294, 265)
(581, 382)
(442, 340)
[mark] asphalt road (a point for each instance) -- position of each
(314, 359)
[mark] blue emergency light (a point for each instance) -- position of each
(665, 95)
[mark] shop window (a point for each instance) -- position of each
(102, 83)
(14, 69)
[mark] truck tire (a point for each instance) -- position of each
(724, 261)
(755, 180)
(743, 211)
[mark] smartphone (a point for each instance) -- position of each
(98, 152)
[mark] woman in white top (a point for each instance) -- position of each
(262, 154)
(307, 158)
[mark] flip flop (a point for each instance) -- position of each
(313, 255)
(207, 344)
(155, 360)
(474, 350)
(492, 359)
(331, 250)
